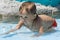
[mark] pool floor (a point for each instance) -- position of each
(25, 34)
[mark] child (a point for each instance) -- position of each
(29, 18)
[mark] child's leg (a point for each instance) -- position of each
(40, 32)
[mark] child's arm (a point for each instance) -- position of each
(21, 22)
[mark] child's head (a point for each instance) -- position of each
(28, 7)
(28, 10)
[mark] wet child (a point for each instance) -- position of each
(34, 22)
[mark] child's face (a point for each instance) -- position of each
(26, 14)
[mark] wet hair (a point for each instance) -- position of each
(33, 8)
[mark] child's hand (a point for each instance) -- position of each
(4, 33)
(8, 32)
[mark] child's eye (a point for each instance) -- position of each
(26, 17)
(27, 9)
(20, 16)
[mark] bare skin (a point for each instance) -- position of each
(34, 22)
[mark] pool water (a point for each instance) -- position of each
(45, 2)
(25, 34)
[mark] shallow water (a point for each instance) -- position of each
(25, 34)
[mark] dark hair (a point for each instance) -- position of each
(32, 10)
